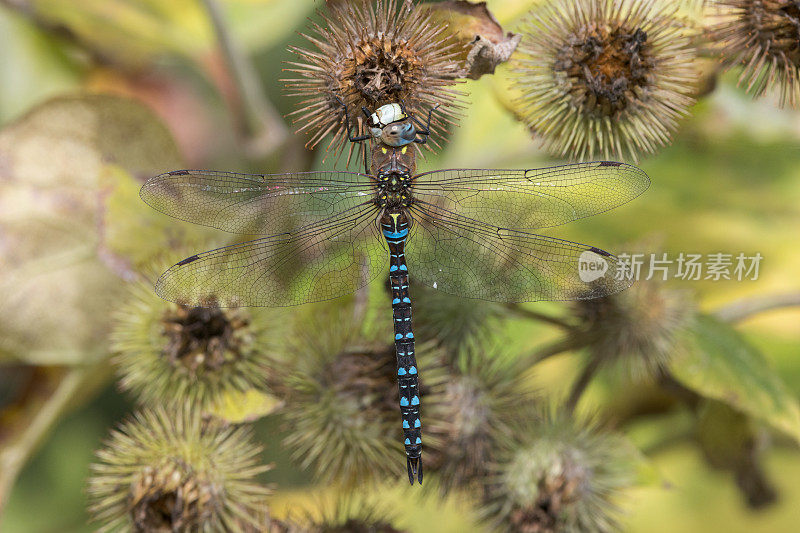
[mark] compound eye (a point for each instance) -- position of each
(409, 132)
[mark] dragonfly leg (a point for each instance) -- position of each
(350, 137)
(368, 114)
(402, 105)
(424, 129)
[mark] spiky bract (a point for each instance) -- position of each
(762, 36)
(339, 420)
(483, 398)
(351, 512)
(169, 353)
(605, 78)
(639, 325)
(341, 393)
(369, 56)
(561, 474)
(170, 471)
(455, 323)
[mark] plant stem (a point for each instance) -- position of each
(743, 309)
(14, 456)
(263, 123)
(569, 343)
(581, 383)
(535, 315)
(667, 442)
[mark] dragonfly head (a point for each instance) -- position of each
(398, 133)
(392, 126)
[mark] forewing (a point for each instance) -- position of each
(467, 258)
(532, 198)
(317, 262)
(255, 204)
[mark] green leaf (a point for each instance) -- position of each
(724, 434)
(135, 33)
(719, 363)
(248, 20)
(131, 33)
(35, 66)
(731, 440)
(238, 407)
(647, 473)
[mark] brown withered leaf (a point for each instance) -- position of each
(485, 43)
(63, 249)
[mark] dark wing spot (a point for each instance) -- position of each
(188, 260)
(179, 173)
(610, 164)
(591, 249)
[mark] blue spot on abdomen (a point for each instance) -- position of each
(395, 235)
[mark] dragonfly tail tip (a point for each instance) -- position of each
(414, 469)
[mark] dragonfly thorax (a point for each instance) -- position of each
(393, 169)
(394, 189)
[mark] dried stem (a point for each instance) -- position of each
(264, 125)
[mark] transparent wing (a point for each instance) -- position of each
(464, 257)
(532, 198)
(255, 204)
(317, 262)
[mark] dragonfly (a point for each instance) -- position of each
(324, 234)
